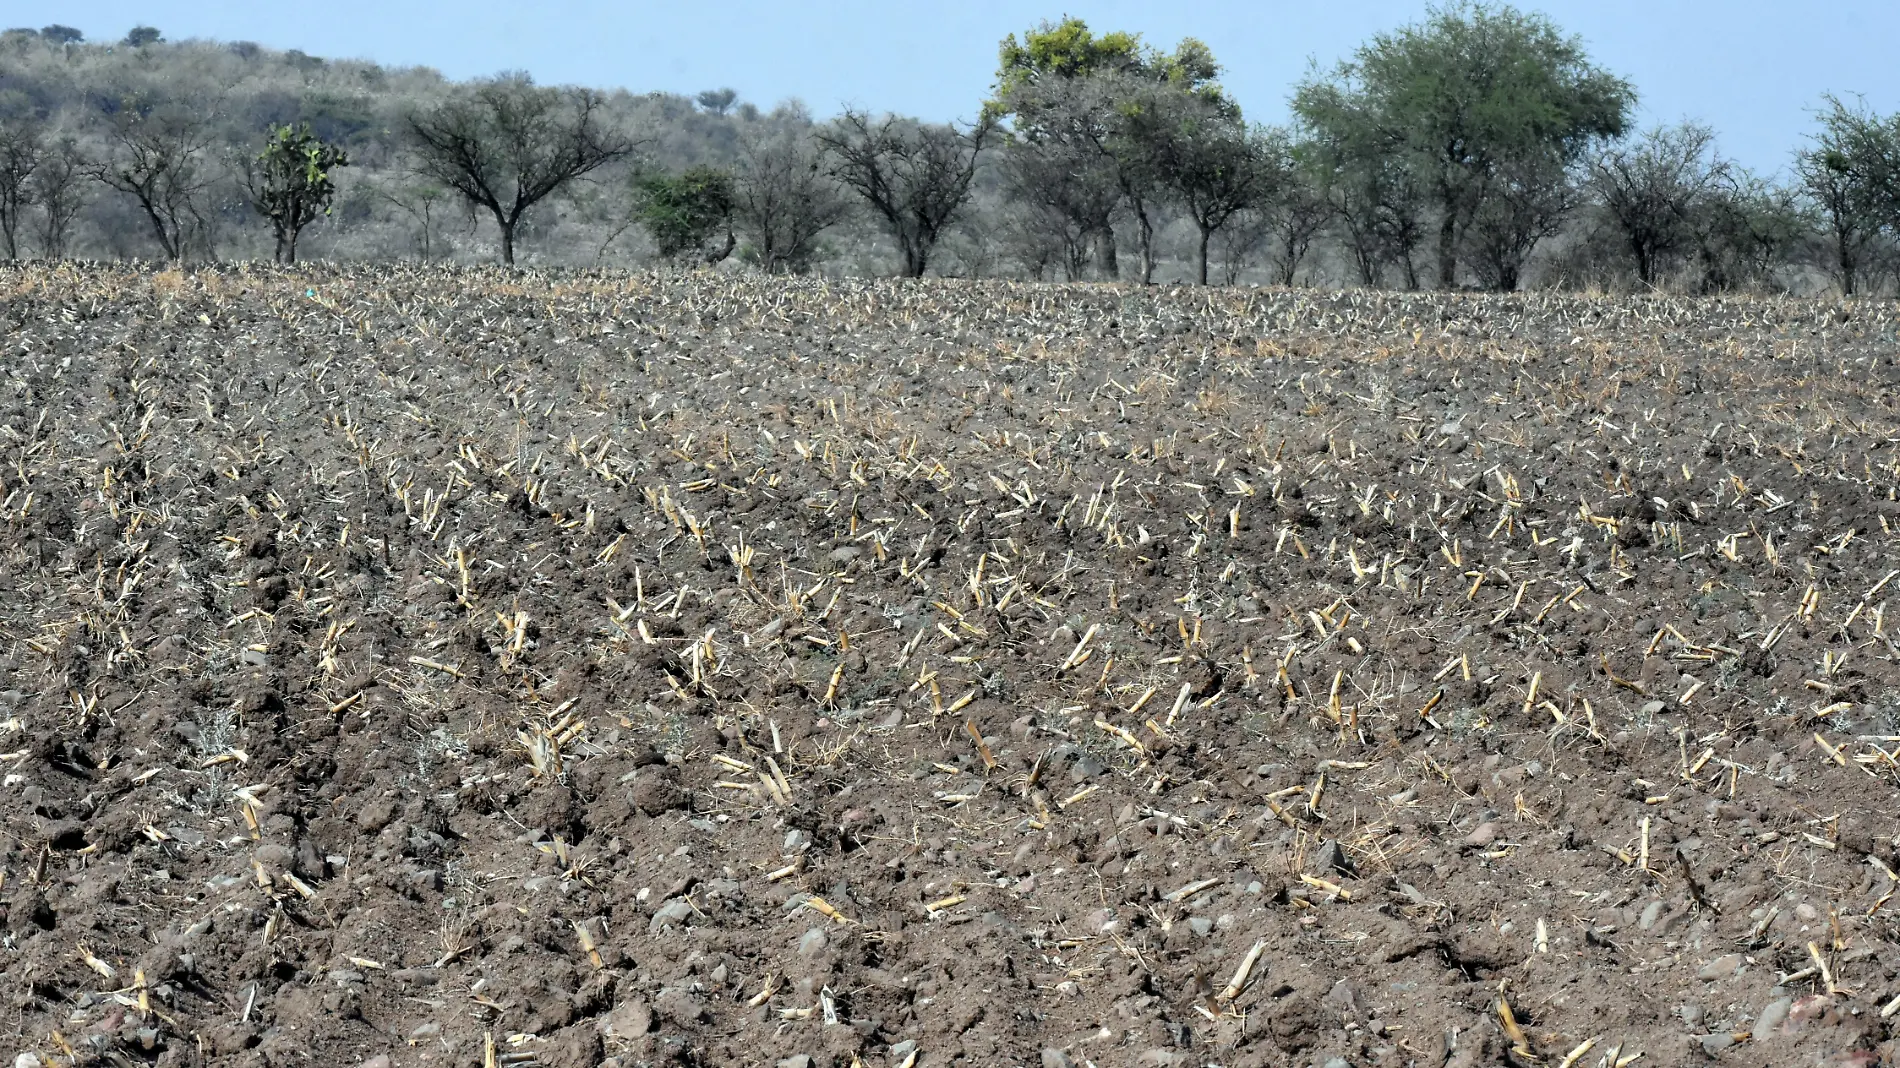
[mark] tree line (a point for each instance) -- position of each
(1478, 147)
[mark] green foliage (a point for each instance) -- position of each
(1069, 51)
(1474, 102)
(290, 183)
(717, 101)
(1850, 170)
(683, 212)
(59, 34)
(140, 36)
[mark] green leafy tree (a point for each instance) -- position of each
(506, 144)
(1485, 107)
(140, 36)
(61, 35)
(1087, 116)
(717, 101)
(1743, 229)
(1217, 168)
(684, 213)
(1850, 171)
(290, 183)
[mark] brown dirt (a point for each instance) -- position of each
(456, 667)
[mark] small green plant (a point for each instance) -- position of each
(685, 214)
(291, 185)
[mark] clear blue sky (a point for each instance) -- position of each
(1753, 69)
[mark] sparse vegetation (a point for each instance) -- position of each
(720, 647)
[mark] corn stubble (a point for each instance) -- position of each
(477, 667)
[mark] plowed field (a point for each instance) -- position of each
(472, 668)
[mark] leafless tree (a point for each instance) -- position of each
(22, 150)
(58, 191)
(506, 144)
(1650, 187)
(1293, 200)
(1523, 202)
(158, 155)
(783, 199)
(914, 176)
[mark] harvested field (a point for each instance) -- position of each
(430, 667)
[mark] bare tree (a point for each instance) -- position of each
(914, 176)
(59, 193)
(783, 199)
(507, 144)
(1649, 189)
(156, 154)
(22, 149)
(1521, 202)
(1293, 199)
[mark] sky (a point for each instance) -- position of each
(1752, 69)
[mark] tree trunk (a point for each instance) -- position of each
(1448, 248)
(1645, 264)
(1206, 233)
(507, 240)
(1147, 242)
(172, 248)
(290, 247)
(1846, 247)
(1109, 266)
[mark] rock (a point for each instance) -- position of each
(1483, 835)
(813, 943)
(1771, 1018)
(1342, 999)
(1691, 1015)
(1721, 967)
(797, 1060)
(900, 1050)
(1201, 925)
(1100, 922)
(1715, 1043)
(1051, 1058)
(671, 914)
(1332, 857)
(381, 1060)
(1162, 1058)
(1337, 1062)
(32, 1060)
(1807, 1009)
(846, 554)
(1651, 913)
(1807, 912)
